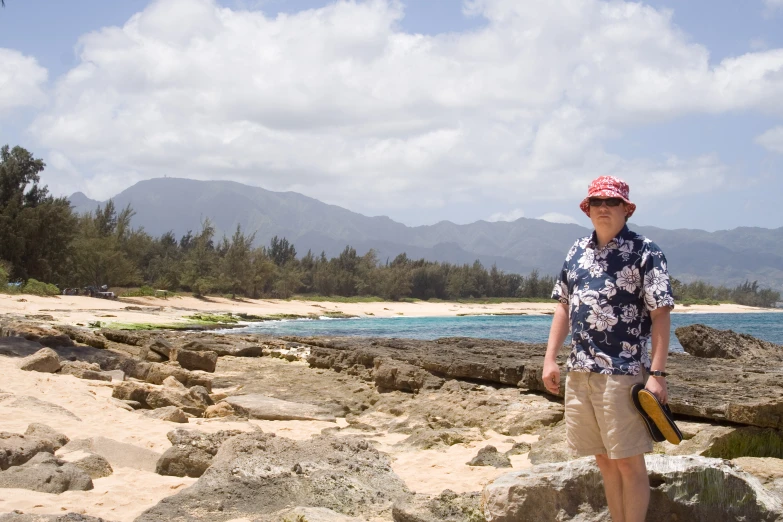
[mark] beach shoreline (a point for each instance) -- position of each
(175, 310)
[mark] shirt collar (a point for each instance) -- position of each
(624, 233)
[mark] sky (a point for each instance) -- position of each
(420, 110)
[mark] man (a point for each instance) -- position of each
(614, 292)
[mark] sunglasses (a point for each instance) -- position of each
(610, 202)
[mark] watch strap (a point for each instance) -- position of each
(658, 373)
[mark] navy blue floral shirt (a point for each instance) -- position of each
(610, 292)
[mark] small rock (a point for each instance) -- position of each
(489, 456)
(519, 448)
(47, 474)
(44, 432)
(190, 360)
(221, 409)
(172, 382)
(168, 413)
(44, 360)
(91, 463)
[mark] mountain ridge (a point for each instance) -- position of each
(179, 204)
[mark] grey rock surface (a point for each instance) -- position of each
(47, 474)
(551, 446)
(93, 464)
(256, 406)
(490, 456)
(309, 514)
(191, 452)
(519, 448)
(82, 335)
(84, 370)
(221, 347)
(44, 360)
(255, 475)
(696, 489)
(159, 372)
(391, 374)
(448, 507)
(42, 431)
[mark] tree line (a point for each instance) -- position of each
(42, 239)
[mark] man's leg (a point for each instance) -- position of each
(627, 487)
(613, 486)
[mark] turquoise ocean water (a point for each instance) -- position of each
(529, 329)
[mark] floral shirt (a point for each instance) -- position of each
(610, 292)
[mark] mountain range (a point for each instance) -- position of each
(173, 204)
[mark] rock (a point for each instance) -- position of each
(132, 391)
(44, 432)
(768, 470)
(489, 456)
(255, 474)
(123, 404)
(256, 406)
(190, 360)
(126, 337)
(309, 514)
(158, 372)
(234, 349)
(82, 335)
(18, 516)
(194, 401)
(221, 409)
(17, 449)
(519, 448)
(172, 382)
(168, 413)
(448, 507)
(682, 488)
(44, 360)
(93, 464)
(115, 375)
(161, 346)
(47, 474)
(390, 374)
(119, 454)
(191, 452)
(84, 370)
(551, 446)
(703, 341)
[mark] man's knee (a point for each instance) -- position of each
(631, 466)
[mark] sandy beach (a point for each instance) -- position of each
(83, 310)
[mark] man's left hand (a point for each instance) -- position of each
(657, 386)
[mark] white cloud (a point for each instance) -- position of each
(511, 215)
(556, 217)
(772, 139)
(21, 81)
(342, 105)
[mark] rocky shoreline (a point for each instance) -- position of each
(387, 406)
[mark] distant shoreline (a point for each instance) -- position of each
(176, 310)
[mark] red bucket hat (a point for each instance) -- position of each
(607, 187)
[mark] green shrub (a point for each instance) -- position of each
(144, 291)
(35, 287)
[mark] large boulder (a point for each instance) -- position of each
(696, 489)
(191, 452)
(47, 474)
(44, 360)
(16, 449)
(255, 475)
(191, 360)
(256, 406)
(702, 341)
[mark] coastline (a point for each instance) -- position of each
(175, 310)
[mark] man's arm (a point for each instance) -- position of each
(661, 330)
(557, 334)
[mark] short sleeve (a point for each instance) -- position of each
(560, 291)
(656, 287)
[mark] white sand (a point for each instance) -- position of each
(80, 309)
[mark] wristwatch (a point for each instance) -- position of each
(658, 373)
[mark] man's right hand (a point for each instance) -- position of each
(551, 377)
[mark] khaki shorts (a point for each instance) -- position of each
(601, 418)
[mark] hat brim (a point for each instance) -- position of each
(585, 204)
(660, 414)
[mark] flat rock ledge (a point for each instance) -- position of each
(256, 406)
(696, 489)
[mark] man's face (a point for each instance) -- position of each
(605, 216)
